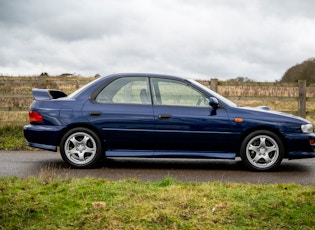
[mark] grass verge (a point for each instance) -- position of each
(12, 138)
(90, 203)
(11, 130)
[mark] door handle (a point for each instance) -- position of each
(164, 116)
(95, 113)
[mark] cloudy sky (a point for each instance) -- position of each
(257, 39)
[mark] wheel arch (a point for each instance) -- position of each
(257, 128)
(82, 125)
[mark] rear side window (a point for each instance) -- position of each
(127, 90)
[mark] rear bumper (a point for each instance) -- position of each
(42, 146)
(44, 137)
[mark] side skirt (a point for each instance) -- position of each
(169, 154)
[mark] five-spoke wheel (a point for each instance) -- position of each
(81, 148)
(262, 151)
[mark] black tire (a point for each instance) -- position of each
(81, 148)
(262, 150)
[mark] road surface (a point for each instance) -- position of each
(43, 163)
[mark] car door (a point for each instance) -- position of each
(185, 121)
(124, 114)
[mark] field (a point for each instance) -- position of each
(15, 92)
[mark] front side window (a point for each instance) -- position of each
(127, 90)
(177, 93)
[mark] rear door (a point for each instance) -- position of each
(123, 112)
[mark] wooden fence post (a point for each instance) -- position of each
(302, 98)
(214, 84)
(42, 81)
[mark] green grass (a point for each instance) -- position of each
(12, 138)
(11, 130)
(89, 203)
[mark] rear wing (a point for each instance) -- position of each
(47, 94)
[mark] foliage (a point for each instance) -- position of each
(240, 79)
(303, 71)
(90, 203)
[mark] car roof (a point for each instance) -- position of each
(144, 75)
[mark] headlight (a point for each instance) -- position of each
(307, 128)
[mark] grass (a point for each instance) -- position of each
(11, 130)
(52, 203)
(12, 138)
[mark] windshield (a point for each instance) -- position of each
(214, 94)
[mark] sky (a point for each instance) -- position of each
(204, 39)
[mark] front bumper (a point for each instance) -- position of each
(300, 145)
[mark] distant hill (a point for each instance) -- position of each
(303, 71)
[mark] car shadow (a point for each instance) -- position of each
(178, 164)
(173, 163)
(193, 164)
(186, 170)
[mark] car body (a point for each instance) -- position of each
(154, 115)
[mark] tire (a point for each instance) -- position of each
(262, 151)
(81, 148)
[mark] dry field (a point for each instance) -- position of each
(16, 96)
(13, 118)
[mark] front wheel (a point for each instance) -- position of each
(81, 148)
(262, 151)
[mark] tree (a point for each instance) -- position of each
(303, 71)
(241, 79)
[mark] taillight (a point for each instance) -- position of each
(35, 117)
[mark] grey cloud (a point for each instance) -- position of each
(257, 39)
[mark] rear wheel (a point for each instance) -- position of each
(262, 151)
(81, 148)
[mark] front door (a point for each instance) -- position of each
(184, 119)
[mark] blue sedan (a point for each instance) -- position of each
(151, 115)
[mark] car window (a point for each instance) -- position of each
(127, 90)
(177, 93)
(214, 94)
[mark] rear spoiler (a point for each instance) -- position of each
(47, 94)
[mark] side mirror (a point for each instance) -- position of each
(214, 103)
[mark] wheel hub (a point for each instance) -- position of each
(262, 151)
(80, 147)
